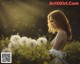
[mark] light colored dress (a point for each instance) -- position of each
(60, 39)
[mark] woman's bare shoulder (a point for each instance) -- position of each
(62, 32)
(62, 35)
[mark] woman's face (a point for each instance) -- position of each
(52, 22)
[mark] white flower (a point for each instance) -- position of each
(23, 41)
(15, 40)
(31, 42)
(6, 50)
(41, 40)
(56, 53)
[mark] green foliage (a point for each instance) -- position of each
(4, 43)
(73, 52)
(32, 55)
(40, 54)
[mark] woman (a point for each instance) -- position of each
(58, 22)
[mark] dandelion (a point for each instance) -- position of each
(23, 41)
(41, 40)
(15, 40)
(31, 42)
(6, 50)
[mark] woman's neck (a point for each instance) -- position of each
(59, 30)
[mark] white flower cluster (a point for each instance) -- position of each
(16, 41)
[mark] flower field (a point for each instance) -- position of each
(36, 51)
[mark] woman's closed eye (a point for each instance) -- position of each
(51, 21)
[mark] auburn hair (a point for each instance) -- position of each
(61, 21)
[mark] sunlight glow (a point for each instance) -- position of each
(20, 15)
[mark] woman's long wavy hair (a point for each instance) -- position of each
(61, 22)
